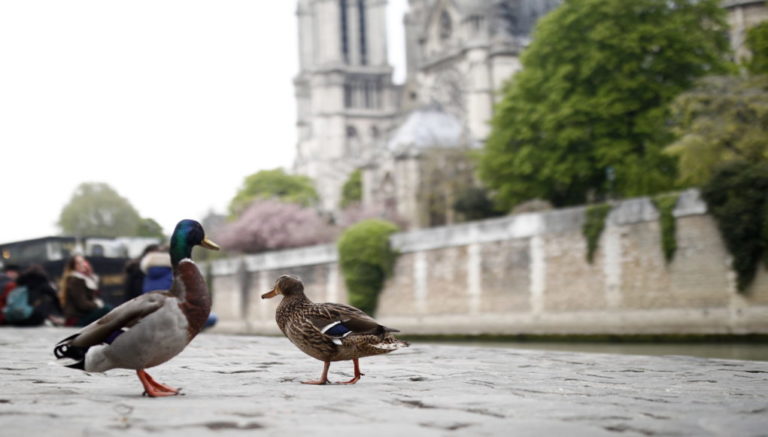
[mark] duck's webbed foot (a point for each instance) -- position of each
(324, 378)
(153, 388)
(316, 382)
(358, 374)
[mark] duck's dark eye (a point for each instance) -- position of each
(196, 236)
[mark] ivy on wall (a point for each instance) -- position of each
(366, 259)
(665, 204)
(593, 227)
(737, 197)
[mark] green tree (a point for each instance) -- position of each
(586, 115)
(97, 210)
(475, 204)
(150, 228)
(273, 184)
(757, 42)
(352, 190)
(723, 119)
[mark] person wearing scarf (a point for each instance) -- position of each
(78, 292)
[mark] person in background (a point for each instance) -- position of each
(41, 297)
(78, 293)
(134, 277)
(7, 283)
(156, 267)
(159, 275)
(8, 276)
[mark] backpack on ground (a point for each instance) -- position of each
(17, 307)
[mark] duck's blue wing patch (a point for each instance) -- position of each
(337, 329)
(116, 333)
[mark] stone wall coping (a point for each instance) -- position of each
(483, 231)
(528, 225)
(736, 3)
(310, 255)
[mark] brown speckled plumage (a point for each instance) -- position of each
(304, 321)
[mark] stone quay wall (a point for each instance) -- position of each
(526, 274)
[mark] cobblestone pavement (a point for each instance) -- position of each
(238, 385)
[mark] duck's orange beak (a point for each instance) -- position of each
(270, 294)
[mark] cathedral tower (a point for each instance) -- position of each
(345, 97)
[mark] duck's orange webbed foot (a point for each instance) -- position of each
(358, 374)
(316, 382)
(324, 378)
(153, 388)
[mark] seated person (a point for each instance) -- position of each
(78, 293)
(37, 300)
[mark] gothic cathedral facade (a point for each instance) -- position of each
(410, 141)
(346, 101)
(351, 115)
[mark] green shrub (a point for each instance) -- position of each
(352, 190)
(665, 204)
(593, 227)
(366, 259)
(737, 197)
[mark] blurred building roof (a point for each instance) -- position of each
(425, 128)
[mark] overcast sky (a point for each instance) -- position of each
(171, 102)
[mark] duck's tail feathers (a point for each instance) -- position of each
(382, 331)
(65, 350)
(391, 343)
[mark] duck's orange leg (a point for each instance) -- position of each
(153, 388)
(357, 373)
(324, 378)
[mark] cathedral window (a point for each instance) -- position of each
(377, 93)
(348, 95)
(352, 145)
(368, 94)
(363, 42)
(344, 30)
(362, 92)
(446, 26)
(508, 19)
(477, 23)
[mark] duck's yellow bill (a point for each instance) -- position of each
(270, 294)
(208, 244)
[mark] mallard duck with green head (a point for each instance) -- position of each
(329, 331)
(152, 328)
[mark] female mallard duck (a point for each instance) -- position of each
(152, 328)
(329, 331)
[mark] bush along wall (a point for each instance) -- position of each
(366, 259)
(665, 204)
(737, 197)
(593, 228)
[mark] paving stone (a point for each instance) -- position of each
(248, 384)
